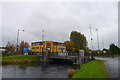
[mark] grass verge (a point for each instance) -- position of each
(92, 69)
(19, 59)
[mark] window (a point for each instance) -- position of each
(41, 43)
(38, 43)
(33, 44)
(60, 44)
(64, 45)
(48, 45)
(61, 48)
(35, 48)
(55, 43)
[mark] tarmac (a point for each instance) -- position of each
(112, 65)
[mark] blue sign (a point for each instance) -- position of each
(25, 50)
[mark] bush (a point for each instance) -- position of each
(71, 72)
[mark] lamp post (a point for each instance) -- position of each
(91, 37)
(42, 35)
(97, 38)
(102, 42)
(18, 38)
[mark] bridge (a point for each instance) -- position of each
(76, 58)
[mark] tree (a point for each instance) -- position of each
(70, 46)
(10, 48)
(22, 46)
(79, 40)
(87, 50)
(114, 49)
(108, 51)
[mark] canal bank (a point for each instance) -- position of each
(92, 69)
(20, 59)
(41, 70)
(29, 66)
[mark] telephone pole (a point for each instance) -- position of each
(62, 39)
(102, 42)
(18, 38)
(97, 39)
(91, 37)
(43, 35)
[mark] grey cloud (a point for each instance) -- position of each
(59, 19)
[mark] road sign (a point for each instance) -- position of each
(25, 50)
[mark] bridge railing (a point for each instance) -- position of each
(72, 54)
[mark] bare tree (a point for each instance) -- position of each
(10, 48)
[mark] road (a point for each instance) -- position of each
(111, 65)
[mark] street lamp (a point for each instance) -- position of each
(18, 38)
(91, 37)
(97, 38)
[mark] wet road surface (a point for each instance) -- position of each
(111, 65)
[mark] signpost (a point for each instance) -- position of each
(25, 50)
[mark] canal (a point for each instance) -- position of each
(42, 70)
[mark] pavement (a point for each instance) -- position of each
(111, 65)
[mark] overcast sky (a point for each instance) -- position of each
(58, 19)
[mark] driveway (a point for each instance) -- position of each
(111, 65)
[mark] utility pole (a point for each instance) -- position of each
(18, 38)
(102, 42)
(91, 37)
(62, 39)
(97, 39)
(43, 35)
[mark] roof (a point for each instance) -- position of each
(46, 41)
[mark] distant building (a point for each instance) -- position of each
(2, 50)
(52, 47)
